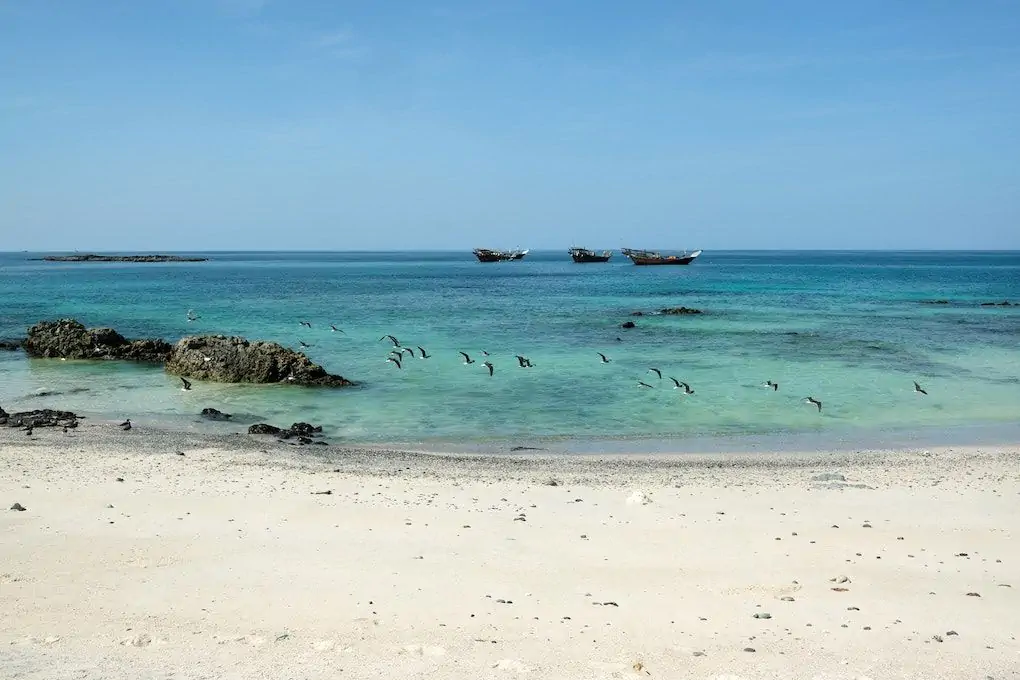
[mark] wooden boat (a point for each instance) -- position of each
(650, 257)
(583, 255)
(489, 255)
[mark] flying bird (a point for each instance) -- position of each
(396, 343)
(306, 324)
(303, 343)
(524, 362)
(815, 402)
(192, 316)
(656, 372)
(186, 385)
(773, 385)
(489, 366)
(395, 361)
(919, 389)
(409, 350)
(676, 383)
(423, 354)
(641, 383)
(485, 353)
(605, 359)
(336, 330)
(126, 425)
(467, 359)
(687, 388)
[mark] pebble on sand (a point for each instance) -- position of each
(18, 507)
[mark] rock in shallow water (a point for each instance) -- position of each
(214, 414)
(218, 358)
(69, 339)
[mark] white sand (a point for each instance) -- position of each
(223, 563)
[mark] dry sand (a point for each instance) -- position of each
(132, 561)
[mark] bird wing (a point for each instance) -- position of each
(675, 382)
(464, 354)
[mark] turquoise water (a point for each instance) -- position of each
(847, 328)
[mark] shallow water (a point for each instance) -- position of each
(847, 328)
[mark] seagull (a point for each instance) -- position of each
(395, 361)
(485, 353)
(126, 425)
(336, 330)
(919, 389)
(396, 343)
(687, 388)
(773, 385)
(656, 372)
(303, 343)
(641, 383)
(676, 383)
(187, 385)
(28, 430)
(423, 354)
(525, 362)
(812, 400)
(605, 359)
(409, 350)
(192, 316)
(489, 366)
(306, 324)
(467, 359)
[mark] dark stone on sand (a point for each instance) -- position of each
(18, 507)
(628, 324)
(39, 418)
(264, 428)
(92, 257)
(679, 311)
(218, 358)
(11, 345)
(69, 339)
(305, 429)
(214, 414)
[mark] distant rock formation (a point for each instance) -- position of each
(69, 339)
(39, 418)
(1004, 303)
(91, 257)
(218, 358)
(934, 302)
(678, 311)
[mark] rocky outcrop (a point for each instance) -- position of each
(11, 345)
(214, 414)
(302, 432)
(628, 324)
(679, 311)
(1004, 303)
(91, 257)
(218, 358)
(39, 418)
(69, 339)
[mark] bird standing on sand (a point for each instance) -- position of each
(815, 402)
(919, 389)
(28, 430)
(773, 385)
(395, 361)
(489, 366)
(423, 354)
(396, 343)
(186, 385)
(126, 425)
(656, 372)
(467, 359)
(605, 359)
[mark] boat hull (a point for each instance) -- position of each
(584, 256)
(650, 258)
(487, 255)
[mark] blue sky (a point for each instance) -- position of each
(272, 124)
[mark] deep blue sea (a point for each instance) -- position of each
(848, 328)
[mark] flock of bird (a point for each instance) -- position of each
(397, 358)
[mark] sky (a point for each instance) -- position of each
(320, 124)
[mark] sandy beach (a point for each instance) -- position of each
(153, 555)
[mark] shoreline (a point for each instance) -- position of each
(143, 554)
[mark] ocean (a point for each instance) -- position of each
(852, 329)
